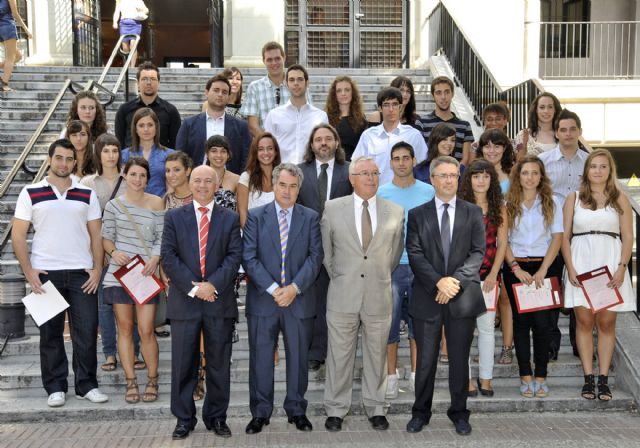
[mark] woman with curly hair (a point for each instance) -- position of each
(599, 232)
(495, 146)
(535, 234)
(408, 113)
(539, 135)
(345, 112)
(480, 186)
(86, 107)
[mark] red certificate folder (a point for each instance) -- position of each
(491, 297)
(139, 287)
(598, 294)
(529, 298)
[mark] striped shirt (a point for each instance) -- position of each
(463, 131)
(116, 227)
(565, 174)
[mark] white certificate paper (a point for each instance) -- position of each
(44, 307)
(596, 291)
(491, 297)
(140, 288)
(529, 298)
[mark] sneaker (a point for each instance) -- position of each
(412, 382)
(56, 399)
(94, 396)
(392, 386)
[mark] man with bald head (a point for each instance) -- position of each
(201, 253)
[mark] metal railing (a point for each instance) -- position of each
(634, 264)
(73, 87)
(589, 49)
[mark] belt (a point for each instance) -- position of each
(528, 259)
(598, 232)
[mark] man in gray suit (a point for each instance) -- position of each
(326, 176)
(362, 237)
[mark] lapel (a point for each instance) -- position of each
(214, 227)
(337, 178)
(348, 216)
(381, 215)
(229, 126)
(193, 233)
(309, 171)
(434, 225)
(270, 222)
(460, 219)
(297, 221)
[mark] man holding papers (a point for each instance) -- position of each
(200, 253)
(73, 264)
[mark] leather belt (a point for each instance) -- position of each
(528, 259)
(598, 232)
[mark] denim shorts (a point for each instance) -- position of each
(401, 280)
(8, 30)
(117, 295)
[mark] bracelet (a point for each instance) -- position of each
(622, 264)
(112, 251)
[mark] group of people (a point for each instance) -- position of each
(344, 223)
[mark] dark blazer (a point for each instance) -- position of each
(192, 138)
(340, 185)
(424, 248)
(179, 254)
(262, 260)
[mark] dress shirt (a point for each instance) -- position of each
(292, 128)
(215, 126)
(357, 203)
(196, 206)
(565, 174)
(376, 142)
(275, 285)
(451, 210)
(331, 163)
(529, 236)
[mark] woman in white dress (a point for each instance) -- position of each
(598, 232)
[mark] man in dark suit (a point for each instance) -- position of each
(326, 176)
(195, 131)
(201, 252)
(445, 244)
(282, 255)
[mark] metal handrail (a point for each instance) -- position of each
(125, 70)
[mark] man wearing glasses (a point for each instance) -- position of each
(377, 141)
(362, 237)
(148, 77)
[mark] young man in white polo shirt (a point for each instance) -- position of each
(67, 250)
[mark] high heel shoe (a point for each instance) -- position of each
(485, 392)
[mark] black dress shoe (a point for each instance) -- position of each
(333, 424)
(256, 424)
(553, 354)
(314, 365)
(462, 427)
(182, 430)
(379, 422)
(485, 392)
(302, 422)
(416, 424)
(220, 427)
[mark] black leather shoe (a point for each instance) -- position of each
(333, 424)
(462, 427)
(302, 422)
(314, 365)
(379, 422)
(182, 430)
(485, 392)
(553, 354)
(220, 427)
(256, 424)
(416, 424)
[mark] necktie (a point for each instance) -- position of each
(204, 235)
(284, 236)
(367, 232)
(323, 180)
(445, 234)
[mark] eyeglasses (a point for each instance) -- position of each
(391, 105)
(445, 176)
(148, 79)
(367, 174)
(278, 96)
(89, 108)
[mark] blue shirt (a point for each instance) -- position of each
(504, 186)
(411, 197)
(529, 236)
(156, 184)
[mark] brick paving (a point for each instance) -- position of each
(606, 429)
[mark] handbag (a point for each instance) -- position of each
(142, 12)
(161, 308)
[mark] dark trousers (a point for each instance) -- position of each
(185, 359)
(537, 323)
(318, 347)
(263, 336)
(459, 333)
(83, 321)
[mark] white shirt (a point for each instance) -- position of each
(565, 174)
(376, 142)
(215, 126)
(329, 174)
(196, 206)
(357, 203)
(292, 128)
(529, 236)
(451, 211)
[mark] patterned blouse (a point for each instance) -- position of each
(491, 232)
(172, 201)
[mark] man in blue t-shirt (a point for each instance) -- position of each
(408, 192)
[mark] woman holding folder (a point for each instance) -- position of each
(132, 225)
(535, 233)
(598, 226)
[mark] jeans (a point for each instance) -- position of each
(401, 280)
(486, 343)
(83, 322)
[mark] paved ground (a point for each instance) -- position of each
(587, 429)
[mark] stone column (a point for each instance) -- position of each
(532, 39)
(50, 23)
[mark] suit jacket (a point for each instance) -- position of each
(180, 258)
(262, 259)
(192, 138)
(340, 185)
(359, 279)
(424, 248)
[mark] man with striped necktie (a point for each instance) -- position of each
(282, 255)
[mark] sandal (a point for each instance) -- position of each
(198, 392)
(526, 389)
(540, 389)
(110, 364)
(506, 356)
(133, 394)
(4, 86)
(139, 364)
(589, 388)
(604, 393)
(152, 383)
